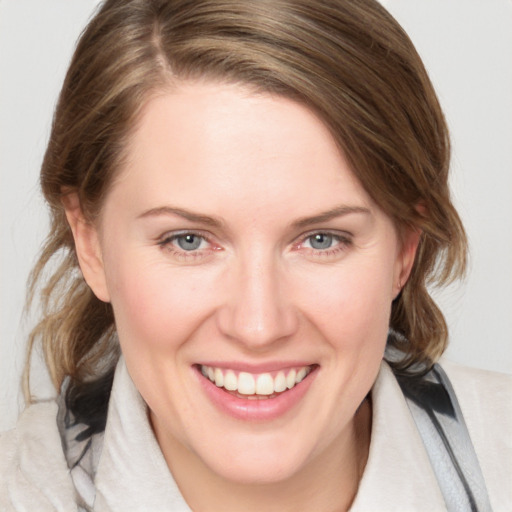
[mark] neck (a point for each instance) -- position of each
(329, 482)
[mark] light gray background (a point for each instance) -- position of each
(467, 48)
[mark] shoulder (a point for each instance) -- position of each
(33, 470)
(33, 428)
(474, 381)
(485, 399)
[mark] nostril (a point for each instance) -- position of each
(256, 328)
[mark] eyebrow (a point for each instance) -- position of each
(181, 212)
(338, 211)
(301, 223)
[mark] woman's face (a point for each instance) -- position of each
(236, 246)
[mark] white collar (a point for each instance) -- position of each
(132, 473)
(398, 475)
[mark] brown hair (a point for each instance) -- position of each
(349, 61)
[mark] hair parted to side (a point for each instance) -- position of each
(347, 60)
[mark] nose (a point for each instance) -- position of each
(257, 310)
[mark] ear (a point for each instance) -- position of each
(87, 246)
(405, 261)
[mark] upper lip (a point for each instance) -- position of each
(255, 368)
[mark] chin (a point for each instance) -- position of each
(259, 461)
(264, 472)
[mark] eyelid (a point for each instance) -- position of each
(342, 235)
(166, 244)
(172, 235)
(344, 241)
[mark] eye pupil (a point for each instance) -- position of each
(321, 241)
(189, 242)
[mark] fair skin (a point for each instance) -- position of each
(237, 239)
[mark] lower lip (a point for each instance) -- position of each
(259, 409)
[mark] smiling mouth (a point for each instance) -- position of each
(260, 386)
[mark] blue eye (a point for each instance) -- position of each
(322, 241)
(188, 246)
(189, 241)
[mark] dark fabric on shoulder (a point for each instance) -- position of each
(438, 417)
(81, 421)
(88, 403)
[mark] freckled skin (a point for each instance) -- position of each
(255, 287)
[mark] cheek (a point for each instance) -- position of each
(351, 305)
(156, 307)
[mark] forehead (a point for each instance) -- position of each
(210, 143)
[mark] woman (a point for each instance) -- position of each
(248, 199)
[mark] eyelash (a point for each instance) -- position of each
(343, 242)
(167, 244)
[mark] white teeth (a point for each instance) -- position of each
(290, 379)
(300, 375)
(219, 377)
(246, 385)
(230, 381)
(254, 386)
(280, 382)
(264, 384)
